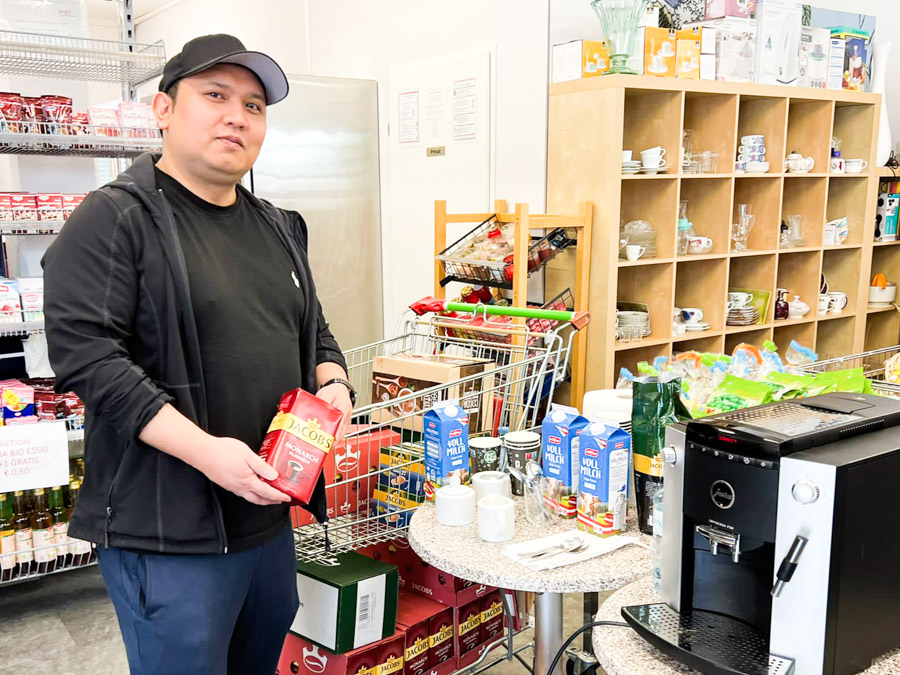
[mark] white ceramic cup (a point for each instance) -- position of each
(652, 158)
(753, 139)
(699, 244)
(626, 155)
(739, 299)
(491, 483)
(455, 505)
(837, 165)
(678, 328)
(496, 518)
(824, 303)
(634, 252)
(752, 149)
(855, 165)
(692, 314)
(838, 302)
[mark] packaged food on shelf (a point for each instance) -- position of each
(347, 605)
(32, 115)
(49, 206)
(71, 202)
(56, 114)
(299, 439)
(17, 400)
(31, 292)
(104, 121)
(23, 206)
(12, 114)
(6, 212)
(603, 483)
(401, 469)
(10, 305)
(136, 120)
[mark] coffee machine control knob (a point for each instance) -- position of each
(805, 491)
(669, 455)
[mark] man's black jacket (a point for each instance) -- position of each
(122, 336)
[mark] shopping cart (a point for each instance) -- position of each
(377, 486)
(872, 362)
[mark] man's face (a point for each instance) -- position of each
(217, 123)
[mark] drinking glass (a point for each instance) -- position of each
(687, 146)
(620, 20)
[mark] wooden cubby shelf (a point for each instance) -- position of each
(591, 121)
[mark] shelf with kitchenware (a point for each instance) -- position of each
(886, 243)
(745, 158)
(756, 337)
(804, 333)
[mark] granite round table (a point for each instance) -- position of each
(621, 651)
(461, 552)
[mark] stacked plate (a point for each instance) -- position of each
(742, 316)
(631, 166)
(659, 169)
(633, 321)
(696, 326)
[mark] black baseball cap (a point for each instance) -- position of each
(210, 50)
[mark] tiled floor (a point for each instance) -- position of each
(64, 624)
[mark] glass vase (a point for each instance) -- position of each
(620, 20)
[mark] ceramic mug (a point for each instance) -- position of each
(455, 505)
(739, 299)
(753, 139)
(699, 244)
(626, 155)
(855, 165)
(678, 328)
(752, 149)
(838, 302)
(692, 314)
(837, 165)
(634, 252)
(491, 483)
(824, 303)
(653, 158)
(752, 157)
(496, 518)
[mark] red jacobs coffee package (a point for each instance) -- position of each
(298, 441)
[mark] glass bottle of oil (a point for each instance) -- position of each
(60, 525)
(7, 539)
(24, 541)
(42, 533)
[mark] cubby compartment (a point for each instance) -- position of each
(713, 344)
(766, 116)
(835, 338)
(653, 118)
(754, 337)
(847, 197)
(651, 285)
(712, 120)
(804, 333)
(709, 209)
(655, 201)
(854, 124)
(764, 197)
(882, 330)
(806, 197)
(841, 270)
(756, 273)
(631, 357)
(701, 283)
(798, 274)
(809, 131)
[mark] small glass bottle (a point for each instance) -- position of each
(42, 533)
(781, 305)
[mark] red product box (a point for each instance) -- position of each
(299, 656)
(353, 457)
(299, 439)
(49, 206)
(5, 206)
(491, 617)
(429, 629)
(70, 203)
(467, 620)
(23, 206)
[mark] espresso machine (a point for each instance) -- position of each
(781, 539)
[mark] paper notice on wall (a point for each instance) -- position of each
(409, 117)
(435, 113)
(33, 456)
(464, 118)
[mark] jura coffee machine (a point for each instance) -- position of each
(781, 539)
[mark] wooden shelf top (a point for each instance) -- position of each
(809, 318)
(645, 261)
(693, 257)
(651, 176)
(646, 83)
(646, 342)
(887, 172)
(800, 249)
(696, 335)
(750, 254)
(886, 243)
(829, 316)
(877, 310)
(731, 330)
(842, 247)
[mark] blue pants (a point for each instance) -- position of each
(204, 614)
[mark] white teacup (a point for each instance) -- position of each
(824, 303)
(634, 252)
(699, 244)
(491, 483)
(678, 328)
(838, 302)
(692, 314)
(626, 155)
(739, 299)
(455, 505)
(753, 139)
(496, 518)
(855, 165)
(653, 158)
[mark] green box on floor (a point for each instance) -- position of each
(346, 602)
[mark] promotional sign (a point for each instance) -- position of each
(33, 456)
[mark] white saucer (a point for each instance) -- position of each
(659, 169)
(700, 325)
(657, 71)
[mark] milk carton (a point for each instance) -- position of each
(559, 433)
(446, 445)
(605, 452)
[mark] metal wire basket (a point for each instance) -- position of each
(872, 362)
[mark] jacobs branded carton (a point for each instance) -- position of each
(446, 445)
(559, 434)
(603, 490)
(301, 656)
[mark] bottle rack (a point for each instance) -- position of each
(640, 112)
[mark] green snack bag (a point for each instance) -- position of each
(736, 393)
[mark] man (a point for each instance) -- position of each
(180, 307)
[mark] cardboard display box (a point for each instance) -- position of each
(719, 9)
(579, 58)
(735, 48)
(429, 632)
(815, 44)
(398, 376)
(778, 29)
(301, 657)
(347, 605)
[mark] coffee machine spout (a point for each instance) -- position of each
(717, 539)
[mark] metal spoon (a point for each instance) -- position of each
(564, 546)
(581, 549)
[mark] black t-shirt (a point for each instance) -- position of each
(247, 305)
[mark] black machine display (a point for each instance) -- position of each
(781, 539)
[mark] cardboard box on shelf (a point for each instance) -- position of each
(741, 9)
(735, 47)
(49, 206)
(301, 657)
(707, 66)
(10, 303)
(659, 52)
(402, 468)
(429, 629)
(705, 35)
(650, 19)
(815, 44)
(836, 64)
(348, 605)
(23, 206)
(778, 26)
(491, 616)
(577, 59)
(355, 456)
(401, 375)
(468, 629)
(856, 50)
(687, 59)
(31, 294)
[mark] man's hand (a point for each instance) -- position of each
(338, 395)
(231, 464)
